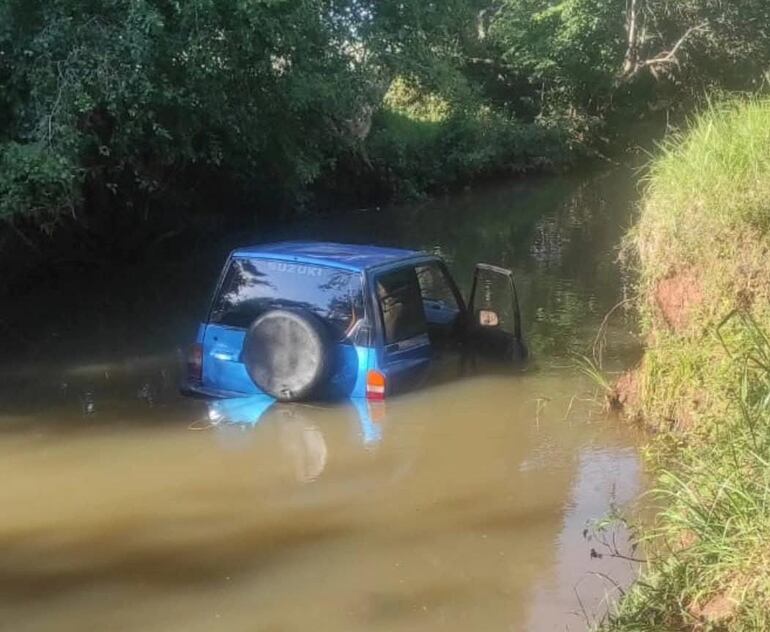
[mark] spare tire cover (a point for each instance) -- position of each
(286, 354)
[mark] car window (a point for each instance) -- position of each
(435, 286)
(252, 286)
(398, 294)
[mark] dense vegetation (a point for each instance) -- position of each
(702, 248)
(115, 112)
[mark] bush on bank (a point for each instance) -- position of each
(701, 246)
(416, 156)
(421, 143)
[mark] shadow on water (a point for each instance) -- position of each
(458, 506)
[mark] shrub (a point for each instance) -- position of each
(418, 156)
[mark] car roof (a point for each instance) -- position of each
(347, 256)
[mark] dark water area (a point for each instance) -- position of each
(462, 505)
(560, 235)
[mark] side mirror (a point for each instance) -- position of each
(488, 318)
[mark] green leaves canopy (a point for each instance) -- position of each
(126, 97)
(131, 105)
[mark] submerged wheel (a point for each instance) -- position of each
(287, 354)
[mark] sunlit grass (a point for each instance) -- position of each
(711, 181)
(705, 216)
(710, 547)
(705, 385)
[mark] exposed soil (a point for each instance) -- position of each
(676, 297)
(717, 610)
(687, 539)
(625, 396)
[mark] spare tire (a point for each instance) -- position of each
(287, 354)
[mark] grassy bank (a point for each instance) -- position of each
(701, 247)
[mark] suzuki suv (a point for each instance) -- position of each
(316, 320)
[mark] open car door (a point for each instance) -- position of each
(494, 318)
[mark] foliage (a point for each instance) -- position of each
(418, 155)
(131, 100)
(32, 174)
(705, 216)
(723, 44)
(415, 102)
(594, 55)
(122, 108)
(569, 51)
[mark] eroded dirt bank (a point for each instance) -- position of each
(700, 249)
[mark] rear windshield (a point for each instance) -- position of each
(400, 300)
(252, 286)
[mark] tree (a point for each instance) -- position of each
(117, 105)
(118, 108)
(697, 42)
(568, 50)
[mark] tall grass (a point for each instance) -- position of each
(706, 384)
(710, 545)
(705, 218)
(707, 183)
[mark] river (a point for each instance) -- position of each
(462, 506)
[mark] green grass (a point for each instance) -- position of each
(710, 181)
(705, 384)
(710, 543)
(705, 218)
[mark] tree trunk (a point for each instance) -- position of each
(631, 59)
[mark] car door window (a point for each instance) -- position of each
(400, 300)
(435, 288)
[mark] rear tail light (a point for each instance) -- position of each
(375, 385)
(195, 363)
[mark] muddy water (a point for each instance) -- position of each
(461, 506)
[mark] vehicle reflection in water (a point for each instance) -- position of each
(302, 440)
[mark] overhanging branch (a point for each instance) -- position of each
(669, 57)
(662, 59)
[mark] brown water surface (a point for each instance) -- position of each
(462, 506)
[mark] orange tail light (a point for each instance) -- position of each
(375, 385)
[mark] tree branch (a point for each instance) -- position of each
(668, 57)
(631, 70)
(485, 61)
(632, 45)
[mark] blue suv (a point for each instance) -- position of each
(317, 320)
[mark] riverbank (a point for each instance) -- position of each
(701, 248)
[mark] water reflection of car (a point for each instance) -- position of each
(252, 410)
(314, 320)
(303, 440)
